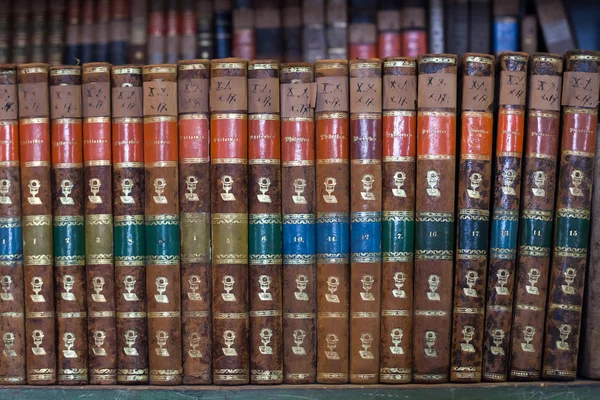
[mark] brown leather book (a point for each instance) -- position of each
(337, 29)
(194, 203)
(556, 28)
(474, 192)
(173, 25)
(163, 279)
(55, 36)
(580, 91)
(365, 219)
(299, 229)
(5, 32)
(434, 228)
(128, 214)
(529, 34)
(268, 30)
(187, 30)
(314, 39)
(39, 30)
(291, 19)
(505, 215)
(398, 220)
(68, 219)
(535, 223)
(97, 176)
(12, 303)
(204, 21)
(21, 49)
(229, 220)
(36, 200)
(157, 29)
(264, 236)
(243, 30)
(138, 36)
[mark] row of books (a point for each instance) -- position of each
(229, 222)
(157, 31)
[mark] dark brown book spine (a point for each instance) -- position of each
(187, 30)
(535, 224)
(480, 21)
(38, 31)
(194, 204)
(362, 31)
(20, 32)
(267, 30)
(128, 215)
(474, 190)
(55, 39)
(299, 216)
(229, 220)
(529, 34)
(68, 219)
(264, 235)
(36, 200)
(314, 40)
(456, 26)
(102, 31)
(5, 31)
(118, 50)
(291, 15)
(72, 39)
(204, 20)
(337, 29)
(157, 29)
(365, 219)
(434, 217)
(173, 23)
(398, 219)
(572, 217)
(12, 303)
(243, 30)
(333, 220)
(505, 215)
(138, 35)
(556, 28)
(100, 272)
(87, 32)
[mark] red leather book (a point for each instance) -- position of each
(362, 33)
(36, 200)
(337, 29)
(398, 219)
(194, 204)
(187, 30)
(157, 29)
(243, 30)
(12, 303)
(173, 22)
(414, 29)
(388, 29)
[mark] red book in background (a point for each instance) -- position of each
(172, 32)
(388, 28)
(243, 29)
(156, 32)
(363, 29)
(414, 28)
(187, 30)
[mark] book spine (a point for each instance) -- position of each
(314, 37)
(457, 26)
(299, 233)
(505, 215)
(365, 219)
(20, 33)
(86, 31)
(529, 34)
(102, 31)
(100, 273)
(138, 35)
(388, 30)
(362, 35)
(337, 29)
(55, 41)
(480, 32)
(163, 280)
(12, 302)
(39, 30)
(223, 28)
(264, 235)
(535, 223)
(333, 220)
(5, 32)
(556, 28)
(204, 29)
(173, 25)
(187, 30)
(36, 200)
(267, 32)
(434, 228)
(129, 235)
(572, 217)
(229, 220)
(71, 53)
(506, 33)
(414, 29)
(194, 198)
(436, 27)
(243, 30)
(119, 32)
(398, 220)
(474, 190)
(292, 30)
(68, 224)
(157, 29)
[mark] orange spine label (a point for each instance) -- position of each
(298, 141)
(9, 148)
(229, 137)
(478, 141)
(96, 143)
(399, 136)
(332, 139)
(437, 135)
(67, 147)
(263, 138)
(160, 141)
(35, 141)
(511, 125)
(193, 138)
(128, 142)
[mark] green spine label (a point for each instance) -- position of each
(162, 236)
(265, 243)
(69, 239)
(397, 236)
(434, 236)
(129, 238)
(572, 231)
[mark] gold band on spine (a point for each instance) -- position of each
(437, 113)
(8, 122)
(14, 163)
(161, 164)
(228, 116)
(183, 117)
(33, 70)
(366, 65)
(188, 67)
(263, 117)
(29, 121)
(67, 165)
(129, 164)
(228, 65)
(229, 161)
(288, 70)
(95, 70)
(30, 164)
(398, 63)
(126, 70)
(97, 163)
(437, 60)
(159, 70)
(194, 160)
(298, 119)
(335, 115)
(480, 59)
(66, 121)
(65, 71)
(97, 120)
(399, 113)
(263, 66)
(160, 118)
(127, 120)
(356, 116)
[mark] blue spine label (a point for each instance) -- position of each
(333, 237)
(299, 238)
(365, 236)
(11, 241)
(504, 234)
(506, 35)
(473, 230)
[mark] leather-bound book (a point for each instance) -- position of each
(68, 191)
(223, 28)
(39, 31)
(314, 40)
(138, 34)
(362, 32)
(36, 200)
(173, 26)
(474, 192)
(119, 32)
(388, 29)
(291, 18)
(535, 223)
(187, 30)
(21, 46)
(580, 90)
(556, 28)
(163, 280)
(128, 216)
(100, 273)
(86, 32)
(5, 32)
(102, 31)
(333, 220)
(436, 26)
(434, 217)
(264, 236)
(365, 219)
(337, 29)
(204, 29)
(456, 26)
(506, 25)
(398, 219)
(414, 28)
(55, 36)
(299, 229)
(194, 203)
(243, 29)
(12, 303)
(480, 20)
(157, 28)
(267, 30)
(73, 15)
(529, 34)
(229, 220)
(505, 215)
